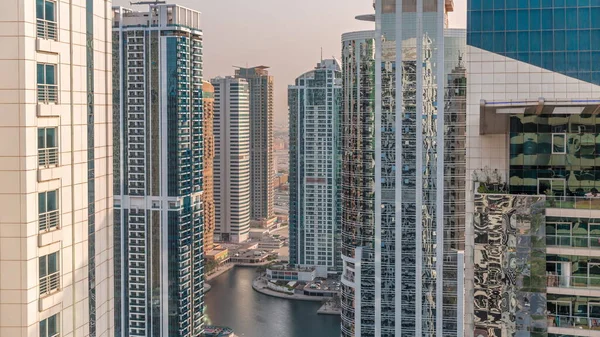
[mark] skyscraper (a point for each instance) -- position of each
(56, 249)
(208, 100)
(262, 193)
(232, 159)
(157, 79)
(315, 209)
(532, 182)
(402, 175)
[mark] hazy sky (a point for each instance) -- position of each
(286, 35)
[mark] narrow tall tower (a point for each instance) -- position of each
(314, 105)
(262, 193)
(158, 171)
(208, 101)
(56, 222)
(232, 159)
(401, 228)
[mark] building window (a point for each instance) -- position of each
(46, 83)
(47, 147)
(49, 273)
(46, 19)
(559, 143)
(552, 187)
(48, 210)
(50, 327)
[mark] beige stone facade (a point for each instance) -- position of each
(208, 99)
(262, 193)
(56, 215)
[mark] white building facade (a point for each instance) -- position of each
(56, 247)
(232, 159)
(314, 104)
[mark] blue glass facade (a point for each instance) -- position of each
(558, 35)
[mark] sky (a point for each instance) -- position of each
(286, 35)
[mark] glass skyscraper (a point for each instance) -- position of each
(533, 207)
(315, 210)
(562, 36)
(403, 135)
(158, 159)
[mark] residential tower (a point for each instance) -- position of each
(315, 209)
(158, 159)
(232, 159)
(56, 246)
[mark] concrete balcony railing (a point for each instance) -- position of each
(47, 29)
(49, 220)
(49, 283)
(47, 93)
(48, 157)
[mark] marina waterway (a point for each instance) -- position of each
(232, 302)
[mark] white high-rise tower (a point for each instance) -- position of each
(56, 248)
(232, 159)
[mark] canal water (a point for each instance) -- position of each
(232, 302)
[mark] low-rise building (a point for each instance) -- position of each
(318, 290)
(218, 255)
(287, 273)
(252, 256)
(270, 243)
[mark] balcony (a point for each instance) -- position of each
(47, 93)
(49, 283)
(47, 29)
(573, 322)
(573, 281)
(49, 220)
(48, 157)
(587, 202)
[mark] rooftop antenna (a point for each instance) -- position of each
(321, 54)
(155, 2)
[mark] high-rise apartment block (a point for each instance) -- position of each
(533, 148)
(403, 126)
(56, 248)
(208, 100)
(315, 209)
(232, 159)
(157, 79)
(262, 193)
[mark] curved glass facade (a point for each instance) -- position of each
(403, 136)
(358, 168)
(558, 35)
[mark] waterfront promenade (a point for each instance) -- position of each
(260, 285)
(328, 308)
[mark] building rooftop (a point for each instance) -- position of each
(494, 115)
(158, 15)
